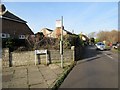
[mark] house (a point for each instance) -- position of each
(57, 32)
(47, 32)
(12, 25)
(54, 33)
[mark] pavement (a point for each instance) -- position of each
(39, 76)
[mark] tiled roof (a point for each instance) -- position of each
(68, 32)
(10, 16)
(48, 29)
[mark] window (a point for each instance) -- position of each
(7, 35)
(21, 36)
(4, 35)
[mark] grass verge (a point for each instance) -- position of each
(117, 51)
(60, 79)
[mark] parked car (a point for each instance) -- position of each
(100, 46)
(116, 45)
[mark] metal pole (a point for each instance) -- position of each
(35, 56)
(46, 57)
(61, 42)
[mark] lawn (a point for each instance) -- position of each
(116, 50)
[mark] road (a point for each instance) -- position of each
(98, 69)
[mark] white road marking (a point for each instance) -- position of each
(108, 56)
(111, 57)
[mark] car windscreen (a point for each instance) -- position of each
(100, 43)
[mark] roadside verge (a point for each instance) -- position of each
(62, 77)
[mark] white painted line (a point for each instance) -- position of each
(109, 56)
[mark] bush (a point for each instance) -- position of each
(13, 43)
(10, 43)
(54, 43)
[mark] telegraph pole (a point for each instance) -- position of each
(61, 42)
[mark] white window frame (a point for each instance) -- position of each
(21, 36)
(1, 35)
(5, 35)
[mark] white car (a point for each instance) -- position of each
(115, 46)
(100, 46)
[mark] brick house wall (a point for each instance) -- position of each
(15, 28)
(12, 25)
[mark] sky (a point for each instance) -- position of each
(85, 17)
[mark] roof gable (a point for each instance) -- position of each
(47, 29)
(10, 16)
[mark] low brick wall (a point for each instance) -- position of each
(55, 55)
(28, 57)
(22, 58)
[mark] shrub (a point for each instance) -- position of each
(9, 43)
(54, 43)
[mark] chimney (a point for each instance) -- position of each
(2, 9)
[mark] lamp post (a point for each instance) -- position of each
(61, 42)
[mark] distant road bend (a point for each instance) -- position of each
(98, 69)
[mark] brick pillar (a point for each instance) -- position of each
(73, 48)
(5, 57)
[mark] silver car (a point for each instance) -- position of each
(100, 46)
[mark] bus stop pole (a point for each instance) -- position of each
(61, 42)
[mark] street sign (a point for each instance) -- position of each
(39, 52)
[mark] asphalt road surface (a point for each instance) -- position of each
(98, 69)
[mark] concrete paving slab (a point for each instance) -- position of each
(20, 82)
(7, 69)
(39, 76)
(42, 85)
(20, 86)
(41, 65)
(20, 73)
(48, 73)
(58, 71)
(35, 78)
(54, 66)
(51, 81)
(5, 84)
(7, 76)
(32, 68)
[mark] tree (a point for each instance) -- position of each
(92, 40)
(109, 36)
(35, 40)
(92, 35)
